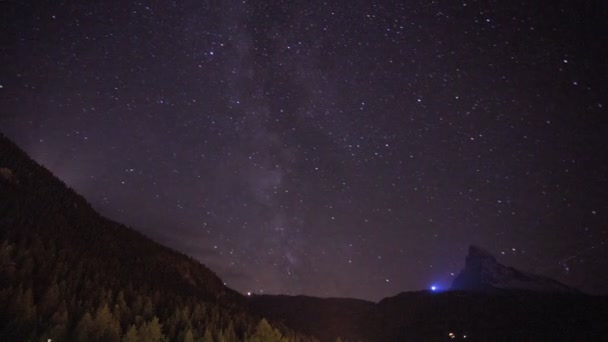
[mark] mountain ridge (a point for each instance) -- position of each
(68, 273)
(485, 304)
(482, 272)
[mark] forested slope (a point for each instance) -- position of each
(68, 273)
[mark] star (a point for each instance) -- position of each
(386, 137)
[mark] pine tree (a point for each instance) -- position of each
(265, 333)
(219, 337)
(188, 336)
(24, 309)
(84, 329)
(58, 328)
(230, 334)
(148, 309)
(207, 337)
(106, 327)
(131, 335)
(151, 331)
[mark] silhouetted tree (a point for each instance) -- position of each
(131, 335)
(188, 336)
(265, 333)
(151, 331)
(84, 330)
(106, 327)
(207, 337)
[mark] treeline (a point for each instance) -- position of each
(66, 273)
(74, 305)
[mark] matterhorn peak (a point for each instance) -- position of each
(478, 253)
(484, 273)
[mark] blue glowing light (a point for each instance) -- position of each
(433, 288)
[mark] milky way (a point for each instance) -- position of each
(350, 148)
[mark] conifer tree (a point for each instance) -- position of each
(230, 334)
(219, 337)
(265, 333)
(58, 328)
(131, 335)
(106, 327)
(188, 336)
(207, 337)
(151, 331)
(84, 329)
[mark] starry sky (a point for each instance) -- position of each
(330, 148)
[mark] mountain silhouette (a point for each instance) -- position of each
(487, 302)
(68, 273)
(483, 272)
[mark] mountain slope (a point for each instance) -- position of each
(483, 273)
(68, 273)
(327, 318)
(489, 302)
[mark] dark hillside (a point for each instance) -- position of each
(68, 273)
(429, 316)
(327, 318)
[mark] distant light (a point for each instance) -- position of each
(249, 293)
(433, 288)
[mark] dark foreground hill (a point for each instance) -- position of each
(67, 273)
(430, 316)
(489, 302)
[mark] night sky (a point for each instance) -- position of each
(339, 148)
